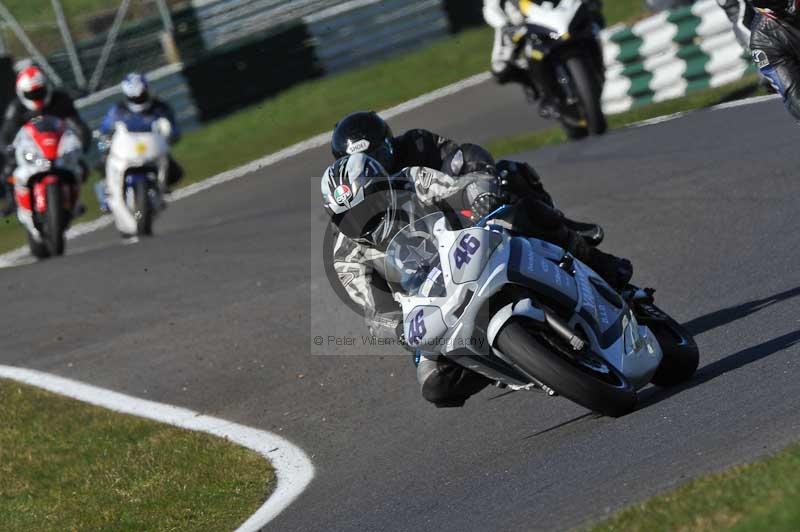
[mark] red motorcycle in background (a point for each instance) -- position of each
(47, 181)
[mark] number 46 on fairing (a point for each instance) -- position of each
(467, 247)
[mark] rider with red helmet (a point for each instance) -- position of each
(35, 97)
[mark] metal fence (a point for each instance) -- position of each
(365, 31)
(221, 22)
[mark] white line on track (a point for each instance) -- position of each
(19, 256)
(727, 105)
(293, 468)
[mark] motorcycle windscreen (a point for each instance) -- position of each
(412, 263)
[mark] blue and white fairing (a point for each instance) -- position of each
(444, 278)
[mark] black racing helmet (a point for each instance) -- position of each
(358, 195)
(364, 132)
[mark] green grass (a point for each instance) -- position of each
(747, 86)
(65, 465)
(750, 498)
(626, 11)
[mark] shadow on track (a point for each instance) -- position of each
(720, 367)
(728, 315)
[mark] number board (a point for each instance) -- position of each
(471, 252)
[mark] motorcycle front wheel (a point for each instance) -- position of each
(596, 385)
(143, 210)
(589, 93)
(54, 220)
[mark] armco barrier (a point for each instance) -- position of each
(235, 77)
(669, 54)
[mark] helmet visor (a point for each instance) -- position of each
(36, 95)
(140, 99)
(363, 221)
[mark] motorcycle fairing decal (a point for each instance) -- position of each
(470, 253)
(528, 268)
(23, 196)
(40, 193)
(47, 141)
(424, 325)
(605, 320)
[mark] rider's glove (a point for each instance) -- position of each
(486, 203)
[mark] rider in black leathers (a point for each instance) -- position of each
(473, 185)
(775, 45)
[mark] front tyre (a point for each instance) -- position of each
(589, 93)
(38, 249)
(143, 209)
(602, 390)
(680, 355)
(54, 220)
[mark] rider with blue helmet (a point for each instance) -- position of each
(139, 111)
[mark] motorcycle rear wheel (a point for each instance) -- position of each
(604, 391)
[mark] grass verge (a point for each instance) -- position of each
(745, 87)
(749, 498)
(65, 465)
(314, 107)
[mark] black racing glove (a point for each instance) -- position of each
(486, 203)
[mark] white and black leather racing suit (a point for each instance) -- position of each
(775, 45)
(741, 15)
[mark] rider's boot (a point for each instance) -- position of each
(102, 196)
(615, 271)
(592, 233)
(446, 384)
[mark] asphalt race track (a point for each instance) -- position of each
(215, 314)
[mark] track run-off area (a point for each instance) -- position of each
(217, 312)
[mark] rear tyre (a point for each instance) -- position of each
(589, 93)
(143, 209)
(54, 220)
(605, 391)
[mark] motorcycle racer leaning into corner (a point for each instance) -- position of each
(138, 111)
(380, 182)
(775, 45)
(35, 97)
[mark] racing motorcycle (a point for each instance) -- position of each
(560, 45)
(136, 173)
(47, 179)
(529, 316)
